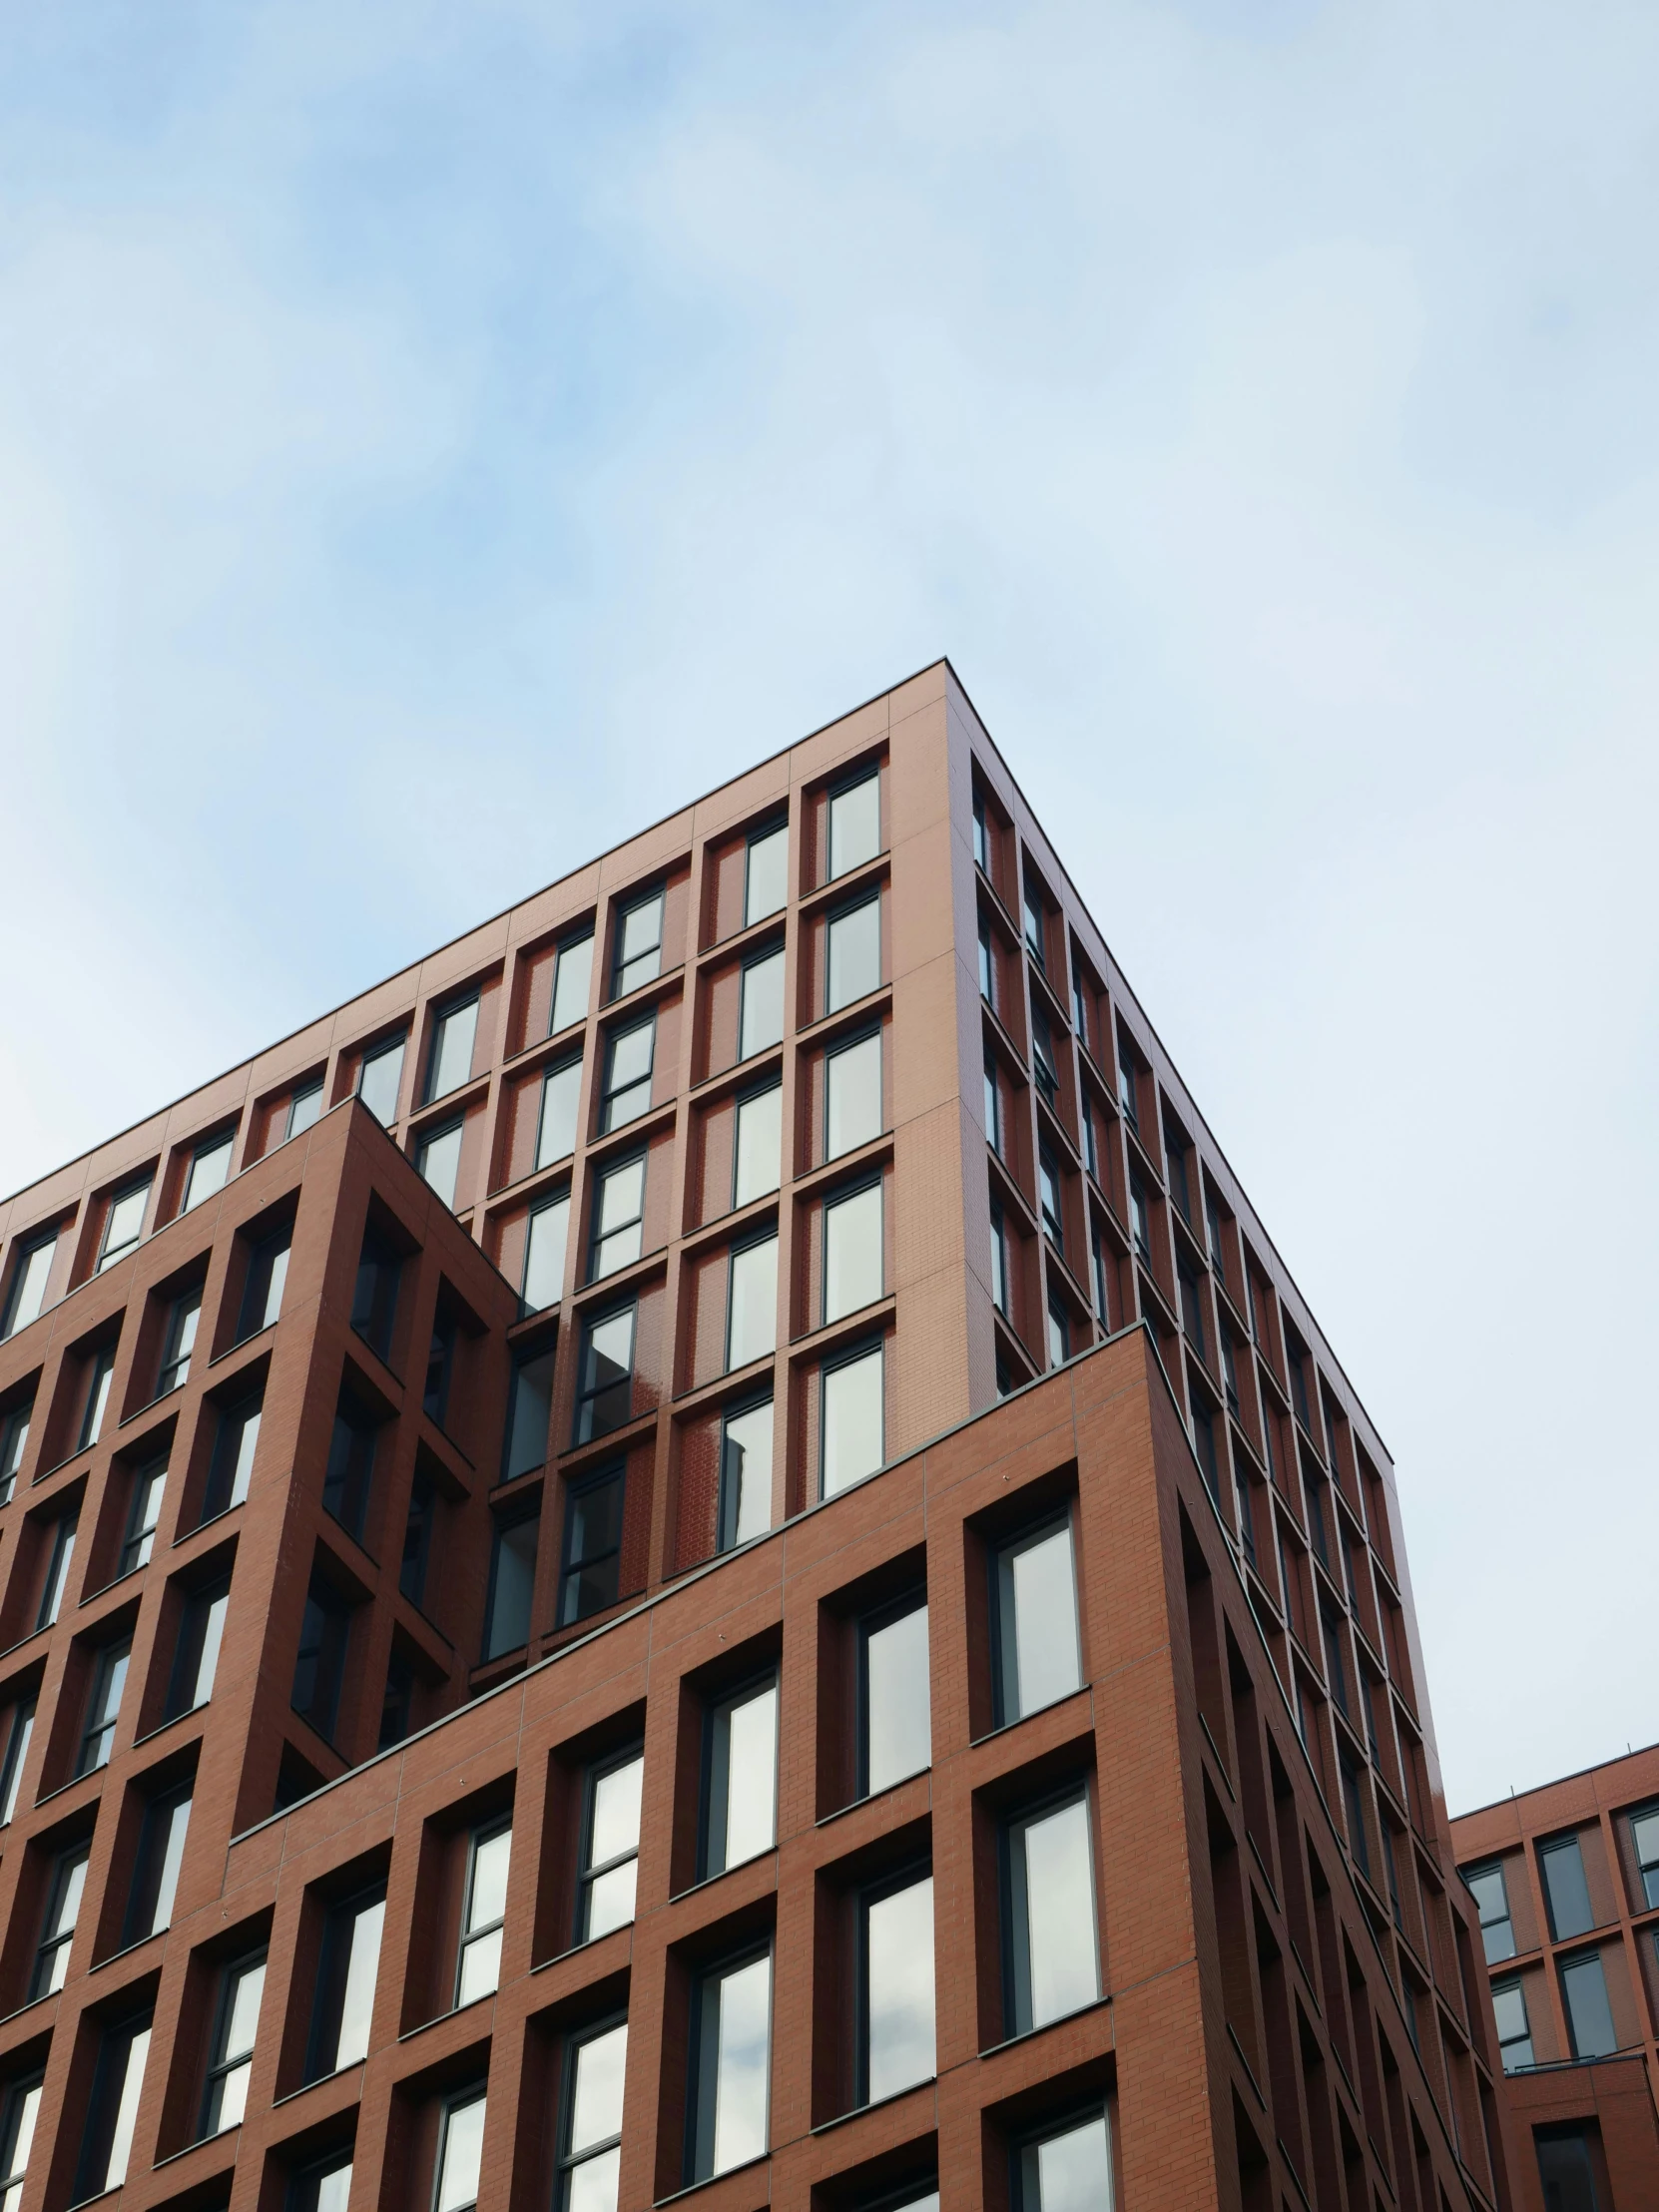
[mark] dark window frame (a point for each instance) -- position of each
(614, 1472)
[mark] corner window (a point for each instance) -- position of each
(381, 1079)
(319, 1662)
(758, 1145)
(63, 1907)
(57, 1571)
(438, 1159)
(629, 1058)
(572, 979)
(744, 1474)
(484, 1914)
(752, 1302)
(305, 1110)
(1515, 2030)
(112, 2113)
(546, 1243)
(1589, 2015)
(731, 2063)
(854, 953)
(183, 1318)
(561, 1097)
(853, 1419)
(100, 1373)
(31, 1270)
(261, 1293)
(143, 1516)
(209, 1170)
(1035, 1616)
(17, 2136)
(161, 1853)
(638, 944)
(605, 1375)
(896, 1735)
(760, 1004)
(590, 2133)
(231, 1468)
(1644, 1840)
(529, 1411)
(1051, 1947)
(196, 1659)
(895, 1972)
(230, 2061)
(590, 1577)
(605, 1887)
(125, 1224)
(454, 1033)
(344, 2005)
(103, 1707)
(1567, 1892)
(1067, 2169)
(740, 1814)
(14, 1442)
(460, 2153)
(853, 1113)
(766, 873)
(852, 1252)
(854, 825)
(512, 1583)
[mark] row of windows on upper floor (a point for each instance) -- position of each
(1565, 1884)
(1048, 1938)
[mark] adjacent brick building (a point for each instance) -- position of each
(1566, 1885)
(702, 1545)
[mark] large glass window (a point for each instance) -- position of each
(319, 1662)
(489, 1859)
(349, 1470)
(740, 1811)
(852, 1103)
(231, 1468)
(752, 1302)
(897, 1987)
(454, 1035)
(638, 944)
(546, 1240)
(1567, 1892)
(381, 1078)
(605, 1375)
(758, 1147)
(31, 1271)
(125, 1223)
(112, 2113)
(143, 1516)
(1515, 2030)
(17, 2136)
(609, 1847)
(1051, 1947)
(109, 1680)
(210, 1169)
(345, 2007)
(63, 1908)
(766, 873)
(590, 2133)
(1067, 2169)
(196, 1660)
(853, 1270)
(14, 1442)
(854, 825)
(439, 1159)
(512, 1583)
(460, 2153)
(590, 1576)
(896, 1735)
(731, 2063)
(179, 1343)
(262, 1291)
(1644, 1838)
(57, 1571)
(760, 1009)
(618, 1217)
(744, 1474)
(629, 1057)
(20, 1729)
(230, 2055)
(1034, 1611)
(161, 1853)
(561, 1096)
(853, 1419)
(1589, 2015)
(855, 965)
(529, 1411)
(100, 1374)
(572, 978)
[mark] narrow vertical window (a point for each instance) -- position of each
(31, 1271)
(63, 1907)
(993, 1108)
(630, 1055)
(57, 1571)
(1091, 1153)
(766, 873)
(125, 1223)
(853, 1260)
(1034, 1609)
(111, 2114)
(231, 1468)
(740, 1765)
(1044, 1067)
(605, 1884)
(1140, 1223)
(1080, 1007)
(438, 1159)
(851, 1420)
(591, 1573)
(454, 1033)
(988, 965)
(350, 1472)
(605, 1375)
(344, 2005)
(261, 1293)
(1051, 1947)
(184, 1316)
(638, 944)
(460, 2153)
(489, 1858)
(210, 1169)
(1212, 1221)
(381, 1079)
(897, 1987)
(19, 1735)
(590, 2133)
(855, 955)
(17, 2136)
(1126, 1091)
(1059, 1336)
(161, 1854)
(854, 825)
(853, 1112)
(1053, 1212)
(529, 1411)
(1644, 1838)
(1176, 1152)
(98, 1377)
(1067, 2170)
(572, 981)
(418, 1539)
(14, 1443)
(1204, 1448)
(1515, 2029)
(760, 1004)
(305, 1110)
(1036, 934)
(1589, 2015)
(618, 1217)
(319, 1662)
(744, 1474)
(1567, 1892)
(230, 2057)
(143, 1516)
(374, 1295)
(894, 1699)
(758, 1145)
(561, 1098)
(999, 1261)
(981, 837)
(196, 1660)
(752, 1302)
(512, 1583)
(1097, 1270)
(109, 1680)
(546, 1242)
(731, 2063)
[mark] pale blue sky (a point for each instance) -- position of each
(435, 440)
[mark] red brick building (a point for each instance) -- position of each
(702, 1546)
(1566, 1887)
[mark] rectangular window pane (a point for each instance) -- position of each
(854, 1421)
(545, 1244)
(126, 1222)
(619, 1217)
(611, 1859)
(571, 981)
(855, 955)
(593, 1548)
(598, 2076)
(178, 1345)
(746, 1476)
(349, 1966)
(759, 1147)
(1567, 1890)
(461, 2159)
(1068, 2172)
(1054, 1950)
(452, 1042)
(440, 1160)
(853, 1254)
(156, 1875)
(856, 825)
(898, 1719)
(605, 1375)
(899, 1990)
(1037, 1611)
(1589, 2015)
(854, 1111)
(561, 1094)
(993, 1109)
(512, 1583)
(528, 1414)
(766, 883)
(207, 1171)
(381, 1080)
(305, 1110)
(30, 1274)
(760, 1017)
(18, 1738)
(751, 1307)
(629, 1059)
(734, 2036)
(1644, 1834)
(743, 1779)
(97, 1398)
(261, 1297)
(232, 1467)
(638, 944)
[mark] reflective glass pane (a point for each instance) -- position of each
(853, 1113)
(358, 2006)
(853, 1428)
(752, 1315)
(571, 978)
(766, 886)
(749, 1730)
(381, 1079)
(747, 1473)
(615, 1812)
(761, 1021)
(1569, 1893)
(596, 2098)
(854, 955)
(480, 1969)
(544, 1254)
(440, 1160)
(29, 1286)
(896, 1701)
(1068, 2174)
(899, 1989)
(1589, 2015)
(303, 1110)
(593, 2184)
(452, 1050)
(741, 2063)
(760, 1145)
(126, 2112)
(515, 1576)
(1059, 1890)
(852, 1255)
(125, 1222)
(611, 1899)
(856, 825)
(488, 1897)
(561, 1094)
(1038, 1592)
(207, 1171)
(464, 2151)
